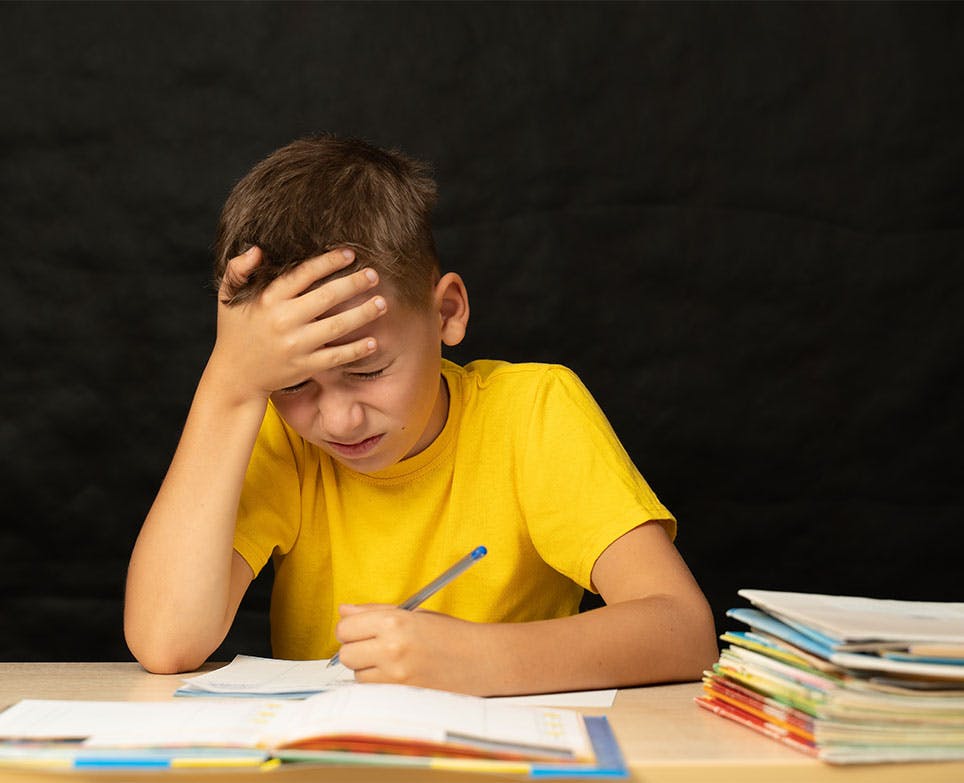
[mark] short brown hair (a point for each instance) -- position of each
(324, 192)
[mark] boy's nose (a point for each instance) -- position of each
(342, 416)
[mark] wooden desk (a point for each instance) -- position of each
(665, 736)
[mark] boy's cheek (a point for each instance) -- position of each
(296, 413)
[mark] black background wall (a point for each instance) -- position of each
(741, 224)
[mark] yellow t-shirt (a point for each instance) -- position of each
(526, 465)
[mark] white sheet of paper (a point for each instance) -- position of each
(269, 676)
(938, 671)
(255, 676)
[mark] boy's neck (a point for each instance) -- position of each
(436, 422)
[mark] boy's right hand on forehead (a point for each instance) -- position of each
(282, 337)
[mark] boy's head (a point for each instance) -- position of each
(322, 194)
(319, 193)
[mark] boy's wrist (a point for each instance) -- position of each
(225, 385)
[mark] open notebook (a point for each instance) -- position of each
(376, 724)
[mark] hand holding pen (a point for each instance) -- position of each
(435, 585)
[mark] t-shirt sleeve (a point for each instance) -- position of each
(581, 490)
(269, 511)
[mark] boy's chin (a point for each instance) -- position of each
(388, 450)
(368, 466)
(378, 459)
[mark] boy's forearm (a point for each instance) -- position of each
(660, 638)
(177, 601)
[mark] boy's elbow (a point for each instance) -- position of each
(159, 655)
(701, 644)
(159, 661)
(166, 664)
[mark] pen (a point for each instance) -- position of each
(435, 585)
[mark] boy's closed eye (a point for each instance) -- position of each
(367, 376)
(367, 368)
(293, 389)
(359, 375)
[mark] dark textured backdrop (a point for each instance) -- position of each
(741, 224)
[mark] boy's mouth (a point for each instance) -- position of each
(355, 450)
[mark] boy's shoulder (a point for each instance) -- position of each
(515, 384)
(488, 372)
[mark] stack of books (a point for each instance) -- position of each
(845, 679)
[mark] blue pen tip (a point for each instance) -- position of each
(478, 552)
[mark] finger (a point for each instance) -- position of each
(353, 632)
(352, 629)
(237, 270)
(346, 610)
(306, 274)
(360, 655)
(327, 330)
(370, 674)
(372, 661)
(313, 304)
(361, 622)
(336, 355)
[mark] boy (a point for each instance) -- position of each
(328, 434)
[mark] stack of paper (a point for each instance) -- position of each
(274, 678)
(248, 675)
(384, 725)
(845, 679)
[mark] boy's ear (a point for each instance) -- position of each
(451, 301)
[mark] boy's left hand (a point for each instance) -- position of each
(383, 643)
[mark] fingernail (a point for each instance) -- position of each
(349, 254)
(370, 345)
(379, 303)
(372, 277)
